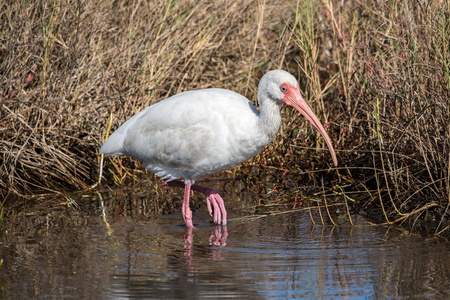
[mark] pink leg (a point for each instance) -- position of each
(213, 200)
(186, 210)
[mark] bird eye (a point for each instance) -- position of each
(283, 89)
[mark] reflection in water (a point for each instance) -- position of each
(52, 251)
(219, 238)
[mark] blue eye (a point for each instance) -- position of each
(283, 89)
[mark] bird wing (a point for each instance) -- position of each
(188, 135)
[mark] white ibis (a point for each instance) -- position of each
(197, 133)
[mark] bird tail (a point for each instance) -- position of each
(113, 146)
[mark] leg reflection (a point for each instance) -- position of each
(188, 241)
(219, 238)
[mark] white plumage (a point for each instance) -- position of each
(197, 133)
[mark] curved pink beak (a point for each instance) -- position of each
(295, 99)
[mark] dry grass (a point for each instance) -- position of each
(87, 59)
(383, 69)
(377, 72)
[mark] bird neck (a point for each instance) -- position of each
(269, 120)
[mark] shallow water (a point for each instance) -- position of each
(52, 251)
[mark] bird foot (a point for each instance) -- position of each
(220, 214)
(214, 203)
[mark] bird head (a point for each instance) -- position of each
(283, 88)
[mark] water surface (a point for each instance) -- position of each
(54, 251)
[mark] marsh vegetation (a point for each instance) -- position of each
(376, 72)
